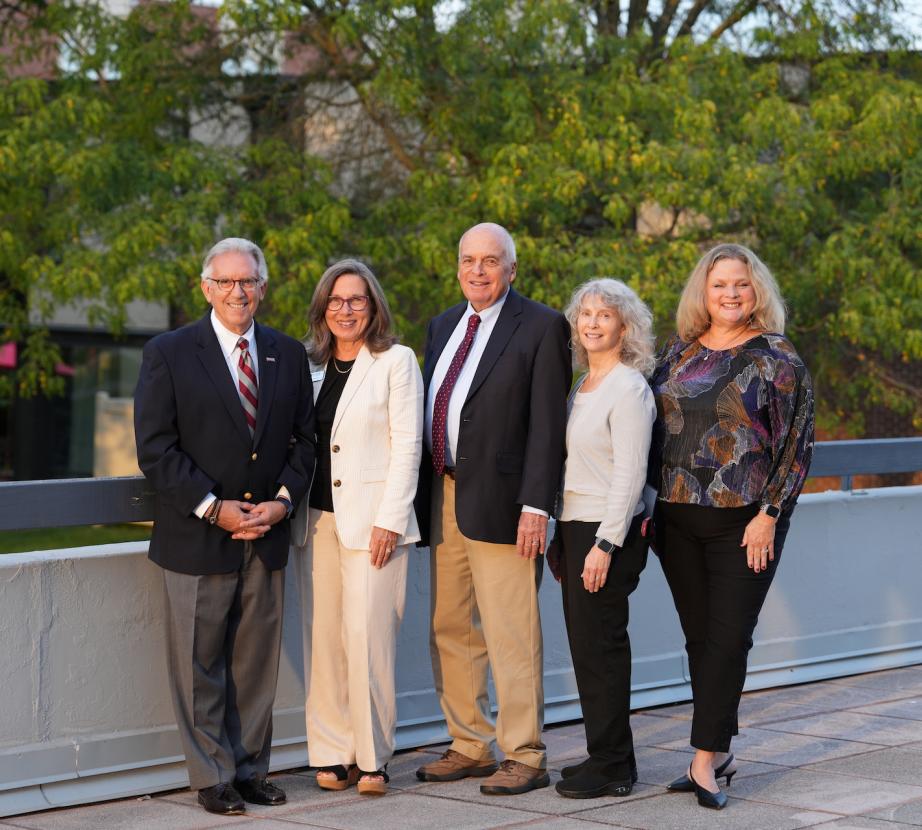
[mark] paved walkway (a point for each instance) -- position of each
(844, 754)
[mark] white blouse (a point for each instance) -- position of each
(608, 441)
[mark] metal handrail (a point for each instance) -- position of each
(91, 501)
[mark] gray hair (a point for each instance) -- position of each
(500, 231)
(238, 245)
(637, 344)
(379, 336)
(692, 318)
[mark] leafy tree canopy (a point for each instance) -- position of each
(611, 138)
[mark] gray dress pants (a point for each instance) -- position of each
(223, 642)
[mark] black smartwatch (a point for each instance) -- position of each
(604, 545)
(770, 510)
(286, 503)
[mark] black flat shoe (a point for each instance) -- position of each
(258, 790)
(575, 769)
(222, 799)
(592, 785)
(683, 785)
(713, 801)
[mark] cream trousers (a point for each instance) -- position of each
(351, 616)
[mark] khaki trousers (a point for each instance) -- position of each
(351, 616)
(485, 612)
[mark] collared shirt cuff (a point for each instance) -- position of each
(283, 492)
(204, 504)
(527, 509)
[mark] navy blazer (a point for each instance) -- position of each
(192, 439)
(512, 435)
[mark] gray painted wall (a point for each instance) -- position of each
(86, 713)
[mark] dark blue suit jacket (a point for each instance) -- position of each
(192, 439)
(512, 435)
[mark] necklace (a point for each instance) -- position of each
(343, 371)
(708, 351)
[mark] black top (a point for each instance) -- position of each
(334, 382)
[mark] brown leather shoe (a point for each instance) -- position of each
(513, 778)
(453, 766)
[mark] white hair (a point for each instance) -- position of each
(236, 244)
(498, 230)
(637, 344)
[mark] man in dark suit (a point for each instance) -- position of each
(497, 372)
(224, 430)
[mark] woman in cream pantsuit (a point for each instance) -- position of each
(352, 534)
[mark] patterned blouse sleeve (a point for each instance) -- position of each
(790, 411)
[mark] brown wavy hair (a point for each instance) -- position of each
(379, 336)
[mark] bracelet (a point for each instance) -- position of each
(214, 512)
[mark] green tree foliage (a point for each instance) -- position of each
(615, 139)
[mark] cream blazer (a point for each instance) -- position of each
(375, 444)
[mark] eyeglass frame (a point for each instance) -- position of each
(348, 301)
(253, 282)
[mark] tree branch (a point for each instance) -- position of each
(664, 21)
(742, 9)
(636, 15)
(692, 17)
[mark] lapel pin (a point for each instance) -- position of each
(270, 359)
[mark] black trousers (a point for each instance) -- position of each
(599, 643)
(718, 598)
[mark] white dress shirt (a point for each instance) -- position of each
(227, 340)
(488, 318)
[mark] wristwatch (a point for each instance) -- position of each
(605, 546)
(770, 510)
(286, 503)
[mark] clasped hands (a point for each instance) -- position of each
(247, 521)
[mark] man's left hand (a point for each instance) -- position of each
(531, 535)
(260, 519)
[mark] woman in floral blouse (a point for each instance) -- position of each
(731, 447)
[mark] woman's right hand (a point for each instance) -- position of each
(595, 569)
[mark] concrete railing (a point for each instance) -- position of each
(86, 714)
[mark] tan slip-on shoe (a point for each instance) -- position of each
(513, 778)
(453, 766)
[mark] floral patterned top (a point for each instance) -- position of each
(733, 427)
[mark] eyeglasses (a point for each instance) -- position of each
(357, 303)
(225, 284)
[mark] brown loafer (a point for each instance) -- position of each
(453, 766)
(513, 778)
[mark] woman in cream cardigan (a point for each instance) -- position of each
(599, 550)
(352, 533)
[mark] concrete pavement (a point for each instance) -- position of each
(843, 754)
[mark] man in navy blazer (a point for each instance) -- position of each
(225, 436)
(497, 373)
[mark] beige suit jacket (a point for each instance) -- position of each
(376, 445)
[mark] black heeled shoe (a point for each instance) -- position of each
(713, 801)
(683, 785)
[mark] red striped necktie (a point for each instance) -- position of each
(246, 381)
(440, 407)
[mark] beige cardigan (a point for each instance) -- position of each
(608, 441)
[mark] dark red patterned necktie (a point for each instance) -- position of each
(246, 380)
(440, 408)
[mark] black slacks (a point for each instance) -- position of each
(599, 643)
(718, 598)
